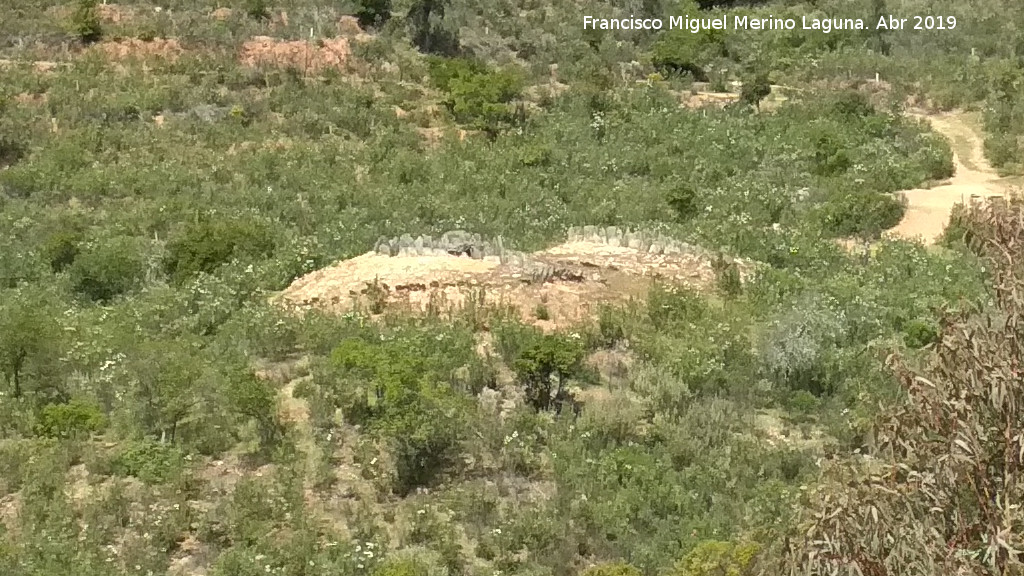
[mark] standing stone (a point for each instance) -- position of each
(632, 240)
(610, 233)
(592, 234)
(382, 246)
(417, 246)
(574, 234)
(393, 245)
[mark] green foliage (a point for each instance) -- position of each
(430, 30)
(545, 368)
(476, 95)
(373, 13)
(257, 9)
(61, 249)
(727, 277)
(685, 201)
(85, 22)
(402, 389)
(149, 461)
(681, 51)
(716, 558)
(862, 214)
(755, 89)
(72, 420)
(211, 242)
(108, 268)
(29, 344)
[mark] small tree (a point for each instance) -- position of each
(545, 367)
(85, 22)
(755, 90)
(373, 13)
(257, 9)
(29, 337)
(429, 30)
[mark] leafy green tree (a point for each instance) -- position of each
(402, 391)
(683, 199)
(205, 245)
(108, 268)
(257, 9)
(61, 249)
(71, 420)
(373, 13)
(166, 379)
(29, 340)
(429, 29)
(863, 214)
(545, 368)
(255, 398)
(682, 52)
(85, 22)
(755, 89)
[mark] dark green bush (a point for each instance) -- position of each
(861, 214)
(85, 22)
(206, 245)
(108, 268)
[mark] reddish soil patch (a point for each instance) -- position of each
(221, 14)
(349, 26)
(166, 48)
(30, 99)
(311, 57)
(115, 13)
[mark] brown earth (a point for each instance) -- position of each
(115, 13)
(585, 276)
(310, 57)
(928, 210)
(166, 48)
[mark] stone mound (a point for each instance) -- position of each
(569, 282)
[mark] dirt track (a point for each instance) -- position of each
(928, 210)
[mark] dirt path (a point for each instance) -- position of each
(928, 210)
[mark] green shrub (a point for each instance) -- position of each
(865, 214)
(108, 268)
(61, 248)
(715, 558)
(682, 52)
(74, 419)
(919, 333)
(551, 358)
(149, 461)
(209, 243)
(373, 13)
(755, 89)
(85, 22)
(257, 9)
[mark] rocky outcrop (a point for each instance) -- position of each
(642, 240)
